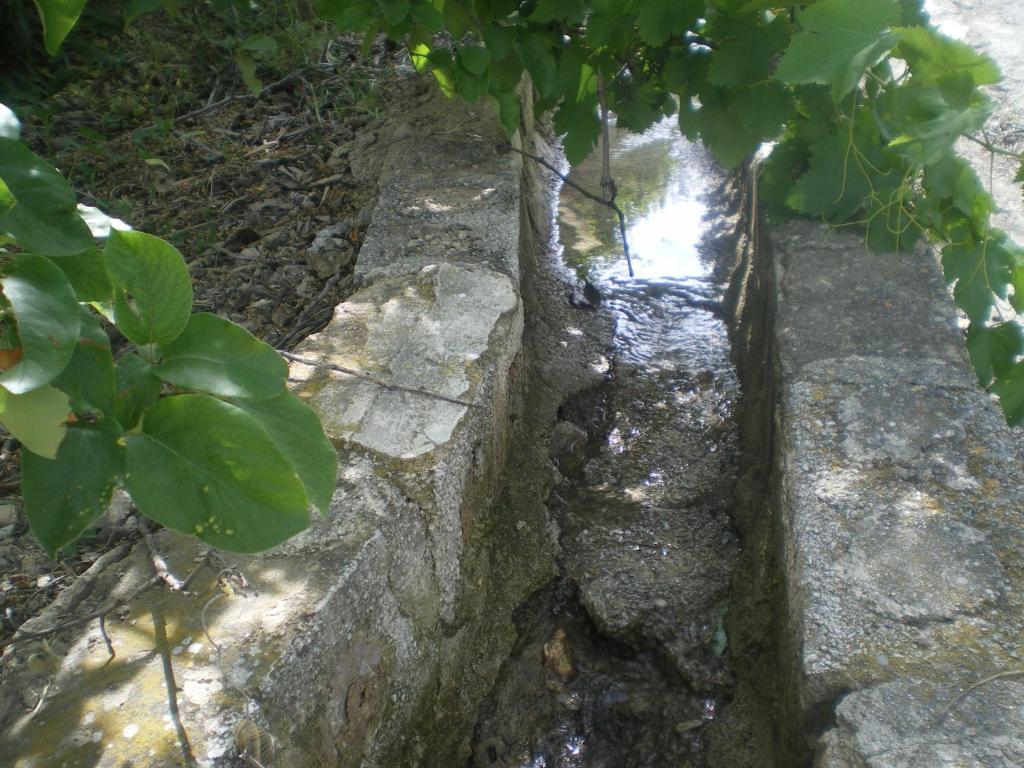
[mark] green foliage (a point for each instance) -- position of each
(196, 422)
(864, 100)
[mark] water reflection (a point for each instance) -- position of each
(660, 180)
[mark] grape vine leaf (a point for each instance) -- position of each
(1010, 389)
(982, 271)
(569, 11)
(838, 41)
(658, 20)
(834, 187)
(933, 58)
(994, 349)
(745, 56)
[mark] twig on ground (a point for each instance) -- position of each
(106, 639)
(164, 649)
(159, 564)
(373, 379)
(978, 684)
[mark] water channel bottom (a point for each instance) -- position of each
(624, 661)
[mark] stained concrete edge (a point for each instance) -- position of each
(900, 508)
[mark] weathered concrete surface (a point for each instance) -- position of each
(900, 497)
(374, 634)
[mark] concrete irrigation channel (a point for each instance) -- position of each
(747, 508)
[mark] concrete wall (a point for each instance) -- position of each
(370, 639)
(893, 520)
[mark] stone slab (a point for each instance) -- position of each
(900, 498)
(916, 724)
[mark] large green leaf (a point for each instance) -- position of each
(63, 496)
(45, 218)
(137, 389)
(295, 429)
(982, 271)
(539, 60)
(994, 349)
(1010, 389)
(208, 469)
(745, 57)
(214, 355)
(36, 418)
(87, 273)
(658, 20)
(934, 58)
(395, 11)
(89, 377)
(47, 315)
(58, 17)
(924, 124)
(152, 289)
(839, 40)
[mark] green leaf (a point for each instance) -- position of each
(499, 40)
(839, 41)
(1010, 389)
(295, 429)
(47, 315)
(348, 15)
(247, 69)
(65, 495)
(45, 218)
(925, 124)
(395, 11)
(535, 51)
(214, 355)
(152, 288)
(721, 130)
(262, 45)
(508, 110)
(36, 418)
(569, 11)
(208, 469)
(427, 15)
(137, 8)
(952, 178)
(994, 349)
(836, 186)
(1017, 280)
(934, 58)
(981, 271)
(473, 58)
(658, 20)
(137, 388)
(89, 377)
(58, 17)
(746, 56)
(87, 273)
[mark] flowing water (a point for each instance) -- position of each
(624, 661)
